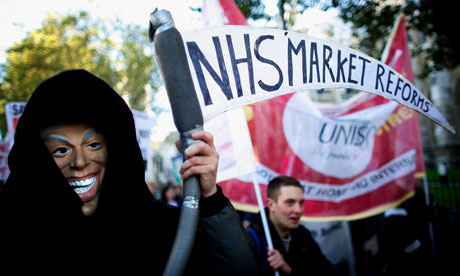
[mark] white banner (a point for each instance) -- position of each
(330, 145)
(144, 124)
(371, 181)
(334, 239)
(230, 129)
(13, 111)
(237, 65)
(4, 150)
(233, 143)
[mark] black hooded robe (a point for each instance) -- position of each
(41, 218)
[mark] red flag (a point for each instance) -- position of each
(222, 12)
(365, 183)
(341, 181)
(397, 55)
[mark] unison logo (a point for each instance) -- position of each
(340, 148)
(354, 134)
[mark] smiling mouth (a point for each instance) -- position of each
(82, 186)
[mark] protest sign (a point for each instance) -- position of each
(334, 239)
(144, 124)
(354, 159)
(351, 166)
(238, 65)
(230, 129)
(13, 111)
(233, 143)
(4, 170)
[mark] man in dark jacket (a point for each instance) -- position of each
(295, 252)
(77, 198)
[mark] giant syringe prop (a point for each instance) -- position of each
(172, 60)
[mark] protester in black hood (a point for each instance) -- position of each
(76, 190)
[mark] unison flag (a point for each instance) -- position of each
(354, 160)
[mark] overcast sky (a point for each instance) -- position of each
(18, 17)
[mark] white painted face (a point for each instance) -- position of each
(81, 154)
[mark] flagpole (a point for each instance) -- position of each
(385, 59)
(260, 202)
(234, 16)
(430, 225)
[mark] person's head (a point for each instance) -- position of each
(80, 152)
(178, 189)
(76, 152)
(285, 203)
(169, 192)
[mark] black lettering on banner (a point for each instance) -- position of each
(427, 107)
(414, 96)
(378, 80)
(364, 68)
(18, 109)
(314, 62)
(420, 100)
(398, 86)
(360, 184)
(340, 64)
(351, 67)
(308, 189)
(404, 89)
(198, 58)
(326, 59)
(265, 174)
(144, 133)
(330, 192)
(291, 48)
(235, 62)
(322, 131)
(266, 87)
(361, 136)
(389, 81)
(375, 178)
(346, 134)
(352, 135)
(15, 110)
(392, 169)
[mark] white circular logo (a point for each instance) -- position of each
(340, 148)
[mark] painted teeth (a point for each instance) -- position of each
(82, 186)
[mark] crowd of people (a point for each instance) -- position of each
(77, 189)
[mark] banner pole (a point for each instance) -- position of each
(260, 202)
(430, 225)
